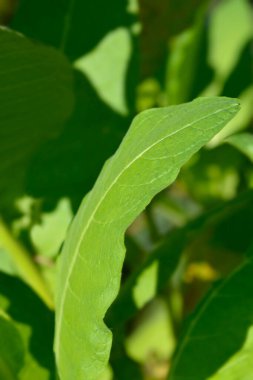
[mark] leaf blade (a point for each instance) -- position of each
(139, 169)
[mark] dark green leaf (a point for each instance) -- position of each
(35, 99)
(35, 324)
(74, 26)
(218, 328)
(227, 226)
(243, 142)
(11, 350)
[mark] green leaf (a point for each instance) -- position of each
(35, 324)
(158, 143)
(218, 328)
(35, 99)
(63, 167)
(243, 142)
(11, 349)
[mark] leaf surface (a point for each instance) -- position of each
(74, 26)
(36, 98)
(158, 143)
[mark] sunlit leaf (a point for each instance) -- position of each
(106, 67)
(91, 261)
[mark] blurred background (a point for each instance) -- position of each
(124, 57)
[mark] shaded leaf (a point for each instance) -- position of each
(69, 24)
(93, 253)
(106, 67)
(35, 99)
(225, 226)
(242, 75)
(11, 350)
(240, 365)
(218, 328)
(35, 324)
(68, 165)
(243, 142)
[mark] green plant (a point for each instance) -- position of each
(125, 252)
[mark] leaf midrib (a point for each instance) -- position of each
(75, 254)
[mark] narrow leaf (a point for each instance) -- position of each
(218, 328)
(158, 143)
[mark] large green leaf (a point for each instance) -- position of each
(68, 165)
(11, 349)
(74, 26)
(35, 99)
(158, 143)
(218, 328)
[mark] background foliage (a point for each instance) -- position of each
(73, 74)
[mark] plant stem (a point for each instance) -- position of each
(27, 269)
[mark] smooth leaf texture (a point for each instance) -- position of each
(158, 143)
(36, 98)
(218, 328)
(63, 167)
